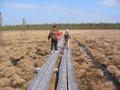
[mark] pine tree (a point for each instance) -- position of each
(0, 28)
(24, 28)
(23, 22)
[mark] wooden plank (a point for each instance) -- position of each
(44, 84)
(39, 76)
(62, 79)
(42, 79)
(72, 84)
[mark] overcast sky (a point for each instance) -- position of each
(60, 11)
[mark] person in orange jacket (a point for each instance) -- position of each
(53, 36)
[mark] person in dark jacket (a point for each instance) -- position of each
(54, 40)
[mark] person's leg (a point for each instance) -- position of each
(56, 42)
(66, 40)
(52, 44)
(67, 44)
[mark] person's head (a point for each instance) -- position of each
(55, 28)
(67, 30)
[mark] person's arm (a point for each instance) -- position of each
(49, 36)
(69, 35)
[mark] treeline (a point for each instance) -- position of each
(63, 26)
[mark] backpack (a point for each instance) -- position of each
(66, 36)
(53, 35)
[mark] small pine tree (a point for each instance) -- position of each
(23, 22)
(0, 19)
(0, 28)
(24, 28)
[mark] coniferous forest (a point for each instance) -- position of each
(103, 26)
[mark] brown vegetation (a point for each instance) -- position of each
(105, 46)
(20, 55)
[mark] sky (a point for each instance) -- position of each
(60, 11)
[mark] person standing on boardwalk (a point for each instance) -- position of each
(66, 37)
(54, 39)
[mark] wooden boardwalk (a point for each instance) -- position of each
(66, 78)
